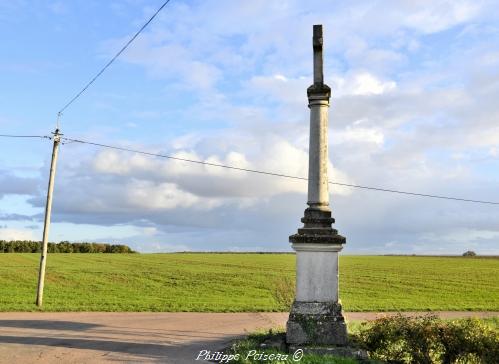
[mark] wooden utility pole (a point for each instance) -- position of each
(48, 209)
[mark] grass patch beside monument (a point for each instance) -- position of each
(398, 339)
(242, 282)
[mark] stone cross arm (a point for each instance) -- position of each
(318, 57)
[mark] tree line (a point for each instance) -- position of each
(27, 246)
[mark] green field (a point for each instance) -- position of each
(241, 282)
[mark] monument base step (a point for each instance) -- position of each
(278, 342)
(341, 351)
(316, 323)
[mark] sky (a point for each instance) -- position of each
(415, 107)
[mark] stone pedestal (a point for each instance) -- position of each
(316, 316)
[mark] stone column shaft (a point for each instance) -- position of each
(318, 191)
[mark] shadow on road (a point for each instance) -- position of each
(115, 343)
(167, 338)
(48, 325)
(142, 349)
(118, 351)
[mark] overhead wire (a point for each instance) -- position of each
(277, 174)
(381, 189)
(111, 61)
(23, 136)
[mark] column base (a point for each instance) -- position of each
(316, 323)
(317, 228)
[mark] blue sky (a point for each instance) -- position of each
(415, 89)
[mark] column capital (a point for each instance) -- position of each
(319, 90)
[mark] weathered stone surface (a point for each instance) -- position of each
(317, 218)
(317, 43)
(317, 323)
(318, 184)
(319, 90)
(278, 342)
(332, 309)
(317, 229)
(318, 239)
(317, 272)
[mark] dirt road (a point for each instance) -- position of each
(143, 337)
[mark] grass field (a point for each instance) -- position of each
(241, 282)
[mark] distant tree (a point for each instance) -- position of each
(35, 246)
(99, 248)
(65, 247)
(469, 253)
(86, 248)
(21, 247)
(120, 249)
(26, 246)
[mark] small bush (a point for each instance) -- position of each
(469, 253)
(428, 340)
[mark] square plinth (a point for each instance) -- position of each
(316, 323)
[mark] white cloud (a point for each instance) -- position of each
(366, 84)
(353, 134)
(171, 61)
(119, 181)
(16, 234)
(146, 195)
(435, 16)
(361, 83)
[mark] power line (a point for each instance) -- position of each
(112, 60)
(277, 174)
(184, 159)
(415, 193)
(253, 170)
(23, 136)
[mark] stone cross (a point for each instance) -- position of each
(318, 58)
(316, 316)
(318, 102)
